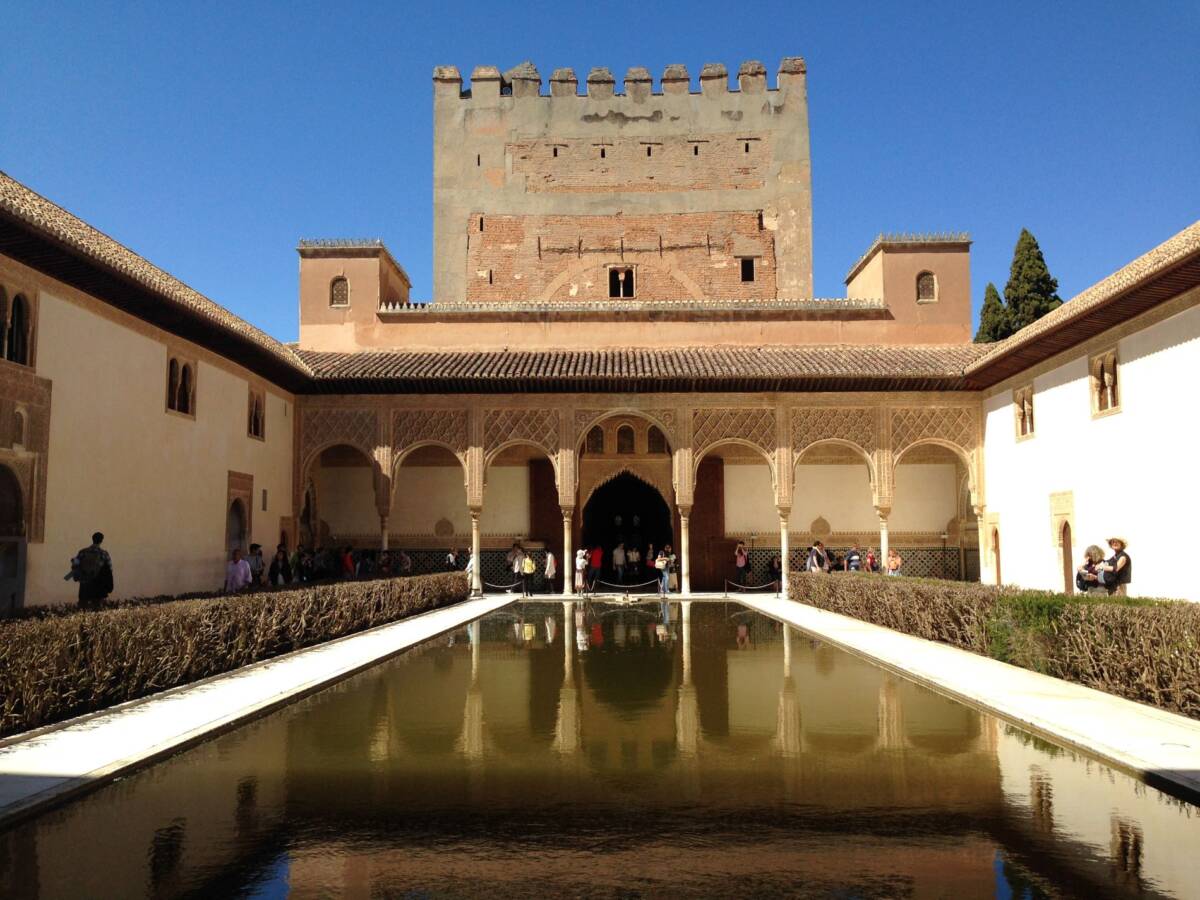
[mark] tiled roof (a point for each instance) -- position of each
(36, 211)
(830, 367)
(1173, 253)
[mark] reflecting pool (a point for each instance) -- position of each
(598, 750)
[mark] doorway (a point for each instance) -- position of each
(626, 510)
(235, 528)
(12, 543)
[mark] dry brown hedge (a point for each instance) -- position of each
(1144, 650)
(61, 666)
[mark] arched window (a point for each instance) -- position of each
(926, 287)
(656, 441)
(184, 396)
(256, 426)
(339, 292)
(18, 332)
(595, 440)
(1023, 400)
(625, 439)
(1106, 394)
(173, 384)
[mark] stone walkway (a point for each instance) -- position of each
(57, 762)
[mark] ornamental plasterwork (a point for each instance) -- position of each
(664, 418)
(21, 389)
(711, 426)
(855, 425)
(536, 426)
(326, 427)
(655, 475)
(958, 425)
(442, 426)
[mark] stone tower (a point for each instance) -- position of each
(634, 195)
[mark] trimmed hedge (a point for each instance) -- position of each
(60, 666)
(1144, 650)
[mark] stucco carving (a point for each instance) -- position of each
(755, 425)
(535, 426)
(855, 425)
(665, 419)
(957, 425)
(26, 454)
(442, 426)
(321, 428)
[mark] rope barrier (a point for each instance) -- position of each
(502, 587)
(769, 586)
(626, 587)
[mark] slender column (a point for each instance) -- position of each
(685, 583)
(383, 532)
(568, 560)
(477, 566)
(784, 550)
(883, 512)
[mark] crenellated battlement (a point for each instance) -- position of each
(524, 81)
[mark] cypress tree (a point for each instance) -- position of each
(1031, 291)
(993, 318)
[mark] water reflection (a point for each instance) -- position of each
(589, 749)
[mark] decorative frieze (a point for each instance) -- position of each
(848, 424)
(447, 427)
(534, 426)
(752, 425)
(324, 427)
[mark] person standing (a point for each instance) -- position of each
(516, 562)
(1118, 568)
(894, 561)
(280, 573)
(551, 571)
(776, 569)
(1089, 577)
(618, 560)
(237, 573)
(871, 564)
(662, 565)
(595, 562)
(853, 560)
(528, 570)
(741, 562)
(581, 564)
(633, 562)
(92, 568)
(818, 561)
(258, 566)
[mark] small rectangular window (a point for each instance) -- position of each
(481, 223)
(478, 160)
(264, 499)
(695, 149)
(602, 153)
(747, 268)
(555, 151)
(620, 282)
(747, 146)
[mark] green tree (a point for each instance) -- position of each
(1031, 291)
(993, 318)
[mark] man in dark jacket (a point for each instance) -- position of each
(92, 568)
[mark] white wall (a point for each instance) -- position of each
(1132, 473)
(505, 501)
(155, 483)
(925, 498)
(423, 495)
(346, 499)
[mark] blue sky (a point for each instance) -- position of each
(211, 137)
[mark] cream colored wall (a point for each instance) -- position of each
(1086, 798)
(1131, 473)
(346, 500)
(867, 284)
(506, 501)
(154, 482)
(841, 494)
(423, 495)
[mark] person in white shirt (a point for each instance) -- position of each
(551, 569)
(237, 573)
(581, 561)
(618, 559)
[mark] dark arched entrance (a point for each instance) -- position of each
(626, 510)
(235, 527)
(12, 542)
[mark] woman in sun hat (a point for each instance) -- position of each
(1118, 568)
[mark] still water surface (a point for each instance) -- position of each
(591, 750)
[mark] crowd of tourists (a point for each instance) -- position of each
(627, 567)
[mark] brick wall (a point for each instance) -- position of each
(561, 257)
(643, 164)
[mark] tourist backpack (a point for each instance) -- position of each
(91, 564)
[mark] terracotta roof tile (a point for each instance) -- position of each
(34, 210)
(826, 367)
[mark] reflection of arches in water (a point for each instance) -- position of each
(629, 679)
(235, 527)
(625, 497)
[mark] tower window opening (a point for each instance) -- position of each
(478, 160)
(339, 292)
(554, 150)
(649, 151)
(481, 223)
(747, 146)
(747, 268)
(695, 149)
(602, 153)
(926, 287)
(620, 282)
